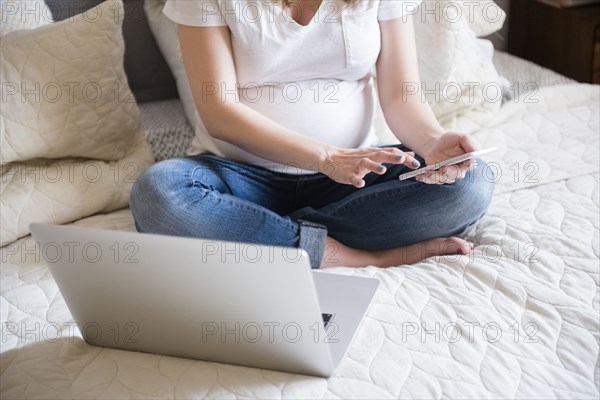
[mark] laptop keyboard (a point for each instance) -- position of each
(326, 319)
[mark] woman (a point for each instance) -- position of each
(285, 92)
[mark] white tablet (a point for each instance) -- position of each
(450, 161)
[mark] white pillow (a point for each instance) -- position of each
(70, 154)
(484, 17)
(23, 14)
(459, 66)
(448, 50)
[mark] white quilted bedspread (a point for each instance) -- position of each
(519, 318)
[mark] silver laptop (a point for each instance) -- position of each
(228, 302)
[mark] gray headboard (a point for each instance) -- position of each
(149, 75)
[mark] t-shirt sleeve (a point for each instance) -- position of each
(391, 9)
(194, 12)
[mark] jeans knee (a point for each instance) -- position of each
(152, 192)
(470, 197)
(484, 183)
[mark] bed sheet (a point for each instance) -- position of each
(518, 318)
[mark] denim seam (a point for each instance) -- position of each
(275, 218)
(384, 192)
(196, 184)
(312, 235)
(240, 168)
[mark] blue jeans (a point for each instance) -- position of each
(212, 197)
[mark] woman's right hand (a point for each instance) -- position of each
(349, 166)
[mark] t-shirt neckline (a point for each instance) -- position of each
(292, 24)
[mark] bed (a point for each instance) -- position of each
(518, 318)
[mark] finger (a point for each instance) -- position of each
(459, 171)
(367, 165)
(442, 179)
(396, 156)
(465, 167)
(429, 177)
(445, 172)
(426, 174)
(451, 174)
(424, 179)
(441, 176)
(389, 155)
(461, 175)
(435, 180)
(357, 182)
(469, 163)
(412, 154)
(467, 143)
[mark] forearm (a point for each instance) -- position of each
(251, 131)
(209, 63)
(412, 121)
(208, 59)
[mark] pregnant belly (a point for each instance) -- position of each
(336, 112)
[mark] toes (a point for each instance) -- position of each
(449, 246)
(465, 247)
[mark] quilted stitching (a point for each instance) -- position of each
(67, 159)
(535, 267)
(79, 106)
(23, 14)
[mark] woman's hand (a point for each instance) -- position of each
(349, 166)
(449, 145)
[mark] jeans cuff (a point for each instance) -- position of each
(313, 239)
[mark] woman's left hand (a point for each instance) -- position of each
(449, 145)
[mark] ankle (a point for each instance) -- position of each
(337, 254)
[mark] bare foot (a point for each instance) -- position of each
(419, 251)
(336, 254)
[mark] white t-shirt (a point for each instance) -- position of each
(316, 79)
